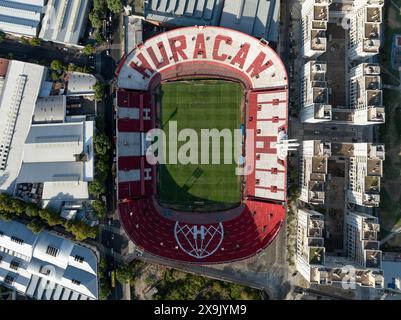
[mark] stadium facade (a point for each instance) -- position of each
(197, 53)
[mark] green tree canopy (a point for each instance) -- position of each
(36, 226)
(57, 66)
(102, 144)
(124, 273)
(35, 42)
(99, 91)
(100, 208)
(115, 6)
(88, 50)
(96, 188)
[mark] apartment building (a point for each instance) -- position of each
(365, 172)
(361, 267)
(314, 161)
(361, 232)
(365, 29)
(314, 93)
(315, 16)
(366, 95)
(45, 266)
(354, 26)
(364, 167)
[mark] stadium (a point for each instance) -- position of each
(202, 78)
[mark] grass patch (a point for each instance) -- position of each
(200, 105)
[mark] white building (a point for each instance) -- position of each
(314, 160)
(21, 17)
(317, 267)
(315, 16)
(310, 258)
(361, 239)
(44, 156)
(314, 93)
(45, 266)
(364, 166)
(64, 21)
(366, 95)
(81, 84)
(365, 31)
(365, 172)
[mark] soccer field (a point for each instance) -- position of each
(201, 104)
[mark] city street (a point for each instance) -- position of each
(47, 52)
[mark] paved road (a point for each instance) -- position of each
(44, 53)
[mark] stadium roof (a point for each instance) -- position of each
(21, 16)
(184, 12)
(48, 264)
(258, 18)
(64, 21)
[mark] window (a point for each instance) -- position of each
(52, 251)
(14, 264)
(79, 259)
(44, 270)
(9, 279)
(1, 258)
(17, 240)
(76, 282)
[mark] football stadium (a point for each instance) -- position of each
(201, 78)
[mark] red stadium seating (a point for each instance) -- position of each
(243, 236)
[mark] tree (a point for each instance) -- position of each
(115, 6)
(81, 230)
(36, 226)
(96, 188)
(35, 42)
(95, 18)
(102, 170)
(52, 218)
(100, 208)
(88, 50)
(23, 40)
(124, 274)
(99, 91)
(57, 66)
(99, 38)
(105, 290)
(31, 210)
(2, 36)
(102, 144)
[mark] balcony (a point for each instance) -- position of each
(372, 185)
(374, 15)
(319, 41)
(376, 114)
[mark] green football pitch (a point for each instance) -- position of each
(200, 104)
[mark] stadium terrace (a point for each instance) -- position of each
(257, 63)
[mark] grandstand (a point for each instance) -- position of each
(199, 53)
